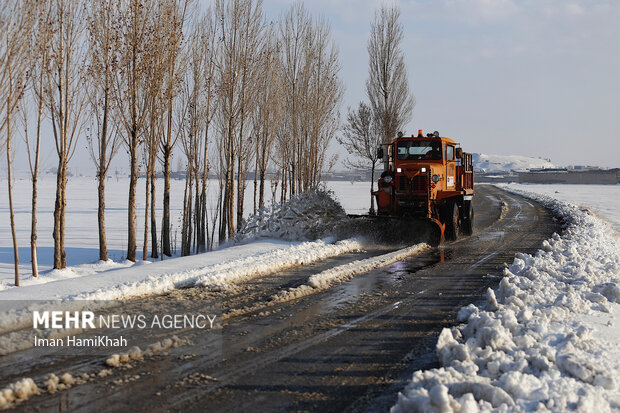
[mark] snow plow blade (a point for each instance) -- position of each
(396, 230)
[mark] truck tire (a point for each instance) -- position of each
(452, 221)
(467, 222)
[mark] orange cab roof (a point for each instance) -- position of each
(424, 138)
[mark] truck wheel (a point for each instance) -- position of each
(452, 221)
(467, 223)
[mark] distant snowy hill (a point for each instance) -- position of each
(507, 163)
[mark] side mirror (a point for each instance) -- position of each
(459, 153)
(379, 153)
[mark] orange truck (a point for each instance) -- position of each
(428, 178)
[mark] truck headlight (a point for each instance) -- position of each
(436, 178)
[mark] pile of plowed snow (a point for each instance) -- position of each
(532, 348)
(311, 215)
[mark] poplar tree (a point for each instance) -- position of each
(387, 87)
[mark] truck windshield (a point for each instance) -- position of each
(418, 150)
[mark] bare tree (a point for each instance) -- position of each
(324, 98)
(173, 12)
(313, 95)
(152, 140)
(191, 124)
(15, 25)
(387, 87)
(189, 148)
(361, 139)
(155, 70)
(250, 43)
(295, 36)
(102, 18)
(37, 63)
(209, 47)
(197, 99)
(268, 115)
(239, 25)
(130, 85)
(65, 97)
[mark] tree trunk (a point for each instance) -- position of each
(262, 166)
(372, 187)
(283, 188)
(227, 228)
(63, 215)
(204, 226)
(131, 207)
(154, 249)
(165, 230)
(186, 227)
(102, 172)
(255, 183)
(35, 179)
(205, 236)
(231, 190)
(197, 212)
(147, 200)
(215, 218)
(103, 247)
(10, 177)
(184, 222)
(261, 191)
(223, 208)
(60, 259)
(293, 178)
(33, 224)
(240, 189)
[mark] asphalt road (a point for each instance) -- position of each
(349, 348)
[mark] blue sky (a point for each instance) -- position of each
(534, 77)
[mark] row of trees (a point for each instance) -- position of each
(158, 76)
(230, 91)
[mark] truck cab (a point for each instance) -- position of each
(428, 177)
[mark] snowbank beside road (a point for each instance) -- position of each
(310, 215)
(342, 273)
(548, 338)
(217, 268)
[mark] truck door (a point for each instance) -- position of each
(450, 168)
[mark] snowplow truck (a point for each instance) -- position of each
(428, 179)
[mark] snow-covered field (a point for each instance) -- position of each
(354, 197)
(81, 234)
(548, 339)
(602, 200)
